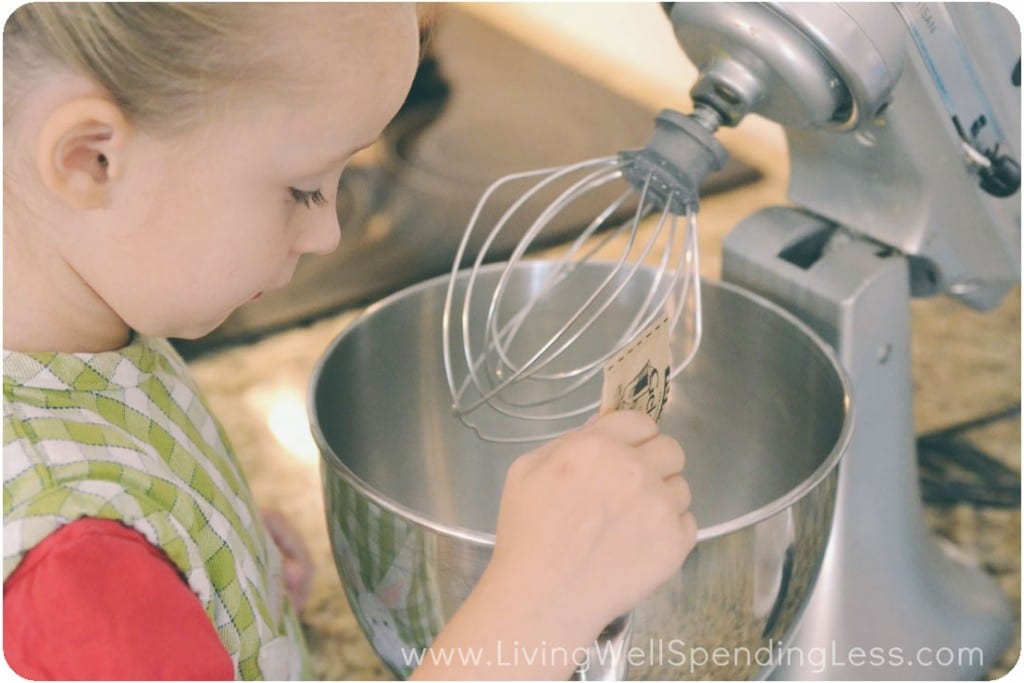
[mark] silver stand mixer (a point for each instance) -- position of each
(903, 129)
(903, 126)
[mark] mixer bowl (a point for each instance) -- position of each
(412, 495)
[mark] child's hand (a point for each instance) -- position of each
(592, 523)
(296, 563)
(589, 525)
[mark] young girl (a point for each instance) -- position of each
(163, 165)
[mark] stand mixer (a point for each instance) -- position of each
(902, 122)
(903, 130)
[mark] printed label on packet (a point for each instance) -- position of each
(636, 378)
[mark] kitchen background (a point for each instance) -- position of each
(508, 87)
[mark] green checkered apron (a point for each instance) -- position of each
(124, 435)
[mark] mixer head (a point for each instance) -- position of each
(902, 122)
(523, 358)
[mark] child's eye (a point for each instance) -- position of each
(308, 198)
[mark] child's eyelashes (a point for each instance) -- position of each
(309, 198)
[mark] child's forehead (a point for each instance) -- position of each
(325, 63)
(303, 38)
(334, 20)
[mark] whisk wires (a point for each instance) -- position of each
(529, 363)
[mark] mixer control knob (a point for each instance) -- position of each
(1002, 177)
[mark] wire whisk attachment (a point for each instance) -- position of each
(525, 342)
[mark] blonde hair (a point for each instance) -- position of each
(160, 62)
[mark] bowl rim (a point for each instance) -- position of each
(766, 511)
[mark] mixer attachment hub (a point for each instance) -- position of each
(681, 152)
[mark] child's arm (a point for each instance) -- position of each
(589, 525)
(96, 601)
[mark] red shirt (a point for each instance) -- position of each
(96, 601)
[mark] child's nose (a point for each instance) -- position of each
(321, 232)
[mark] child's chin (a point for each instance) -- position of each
(197, 330)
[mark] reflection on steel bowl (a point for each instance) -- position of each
(412, 495)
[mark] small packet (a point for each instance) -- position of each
(636, 378)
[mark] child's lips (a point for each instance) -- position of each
(282, 283)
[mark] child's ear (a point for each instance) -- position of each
(81, 149)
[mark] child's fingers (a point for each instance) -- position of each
(286, 537)
(663, 455)
(679, 489)
(624, 427)
(298, 581)
(630, 427)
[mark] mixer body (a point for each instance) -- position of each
(903, 125)
(921, 610)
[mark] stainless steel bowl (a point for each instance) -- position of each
(412, 495)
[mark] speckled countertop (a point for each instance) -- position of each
(965, 364)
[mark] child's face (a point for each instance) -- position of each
(208, 220)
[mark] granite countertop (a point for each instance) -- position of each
(965, 364)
